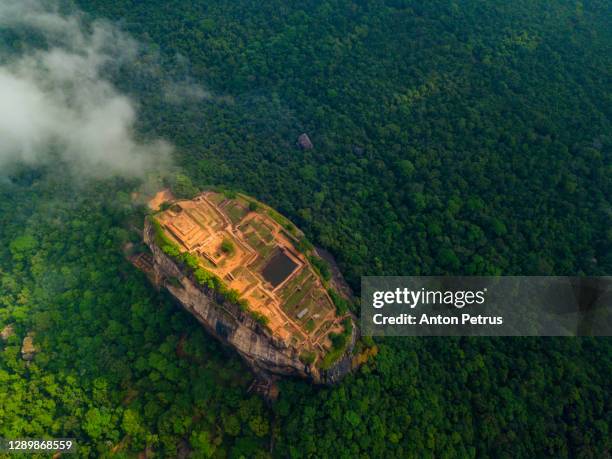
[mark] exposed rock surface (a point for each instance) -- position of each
(265, 354)
(304, 142)
(7, 332)
(27, 347)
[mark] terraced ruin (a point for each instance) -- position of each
(253, 250)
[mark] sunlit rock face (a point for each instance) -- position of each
(268, 356)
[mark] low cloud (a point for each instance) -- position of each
(185, 92)
(55, 99)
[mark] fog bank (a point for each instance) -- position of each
(54, 98)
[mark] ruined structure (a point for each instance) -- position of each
(234, 264)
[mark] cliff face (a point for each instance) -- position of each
(266, 355)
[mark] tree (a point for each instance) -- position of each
(201, 444)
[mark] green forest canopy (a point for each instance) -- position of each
(450, 137)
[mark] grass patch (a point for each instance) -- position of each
(307, 357)
(294, 283)
(298, 296)
(339, 343)
(228, 247)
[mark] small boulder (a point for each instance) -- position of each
(7, 332)
(27, 347)
(304, 142)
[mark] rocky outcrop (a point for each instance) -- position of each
(304, 142)
(7, 332)
(28, 350)
(267, 355)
